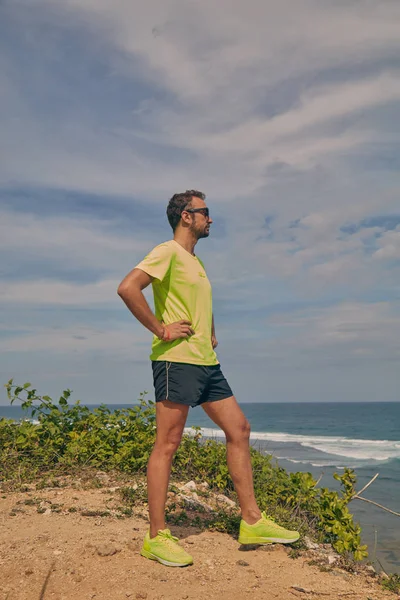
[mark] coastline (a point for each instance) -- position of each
(380, 530)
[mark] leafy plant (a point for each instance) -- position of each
(392, 583)
(66, 437)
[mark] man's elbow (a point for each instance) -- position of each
(128, 289)
(133, 284)
(122, 290)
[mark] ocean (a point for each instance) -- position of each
(324, 438)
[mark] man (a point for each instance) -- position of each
(187, 373)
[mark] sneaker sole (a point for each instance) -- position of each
(264, 540)
(167, 563)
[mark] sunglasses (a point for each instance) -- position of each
(204, 211)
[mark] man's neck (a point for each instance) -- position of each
(187, 241)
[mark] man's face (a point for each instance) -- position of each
(200, 224)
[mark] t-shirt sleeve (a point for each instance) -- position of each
(157, 262)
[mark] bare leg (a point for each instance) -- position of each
(170, 419)
(229, 417)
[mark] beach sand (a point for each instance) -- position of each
(58, 553)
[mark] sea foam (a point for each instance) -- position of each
(372, 450)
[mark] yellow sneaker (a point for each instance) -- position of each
(266, 531)
(165, 549)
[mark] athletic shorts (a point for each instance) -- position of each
(187, 384)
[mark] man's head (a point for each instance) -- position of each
(189, 210)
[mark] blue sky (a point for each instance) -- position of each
(285, 114)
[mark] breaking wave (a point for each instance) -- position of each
(359, 449)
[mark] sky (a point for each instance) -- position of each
(286, 114)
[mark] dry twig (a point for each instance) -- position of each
(307, 591)
(319, 479)
(46, 581)
(368, 484)
(392, 512)
(358, 497)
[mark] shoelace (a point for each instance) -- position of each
(269, 518)
(168, 536)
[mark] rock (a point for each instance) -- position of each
(57, 552)
(103, 477)
(191, 486)
(107, 549)
(327, 547)
(370, 570)
(242, 563)
(309, 544)
(332, 559)
(250, 547)
(226, 500)
(194, 504)
(204, 485)
(47, 512)
(298, 588)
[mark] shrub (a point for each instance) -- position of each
(69, 436)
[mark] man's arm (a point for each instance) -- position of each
(130, 290)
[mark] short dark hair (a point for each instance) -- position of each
(178, 203)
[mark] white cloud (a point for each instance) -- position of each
(317, 107)
(279, 109)
(198, 48)
(83, 340)
(51, 292)
(370, 326)
(389, 244)
(219, 71)
(74, 242)
(359, 334)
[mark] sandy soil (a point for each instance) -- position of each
(57, 553)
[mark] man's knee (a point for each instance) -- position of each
(241, 433)
(169, 444)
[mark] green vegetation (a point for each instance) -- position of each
(68, 437)
(392, 583)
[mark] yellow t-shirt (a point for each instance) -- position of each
(181, 291)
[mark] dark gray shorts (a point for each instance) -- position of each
(191, 385)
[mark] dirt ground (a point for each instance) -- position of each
(49, 550)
